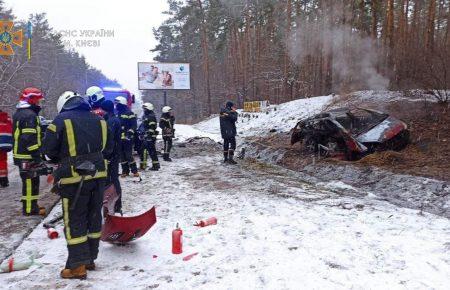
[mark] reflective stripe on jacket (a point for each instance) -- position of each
(27, 135)
(76, 136)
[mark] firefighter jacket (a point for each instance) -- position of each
(149, 124)
(27, 134)
(6, 140)
(75, 136)
(166, 123)
(128, 123)
(228, 119)
(114, 126)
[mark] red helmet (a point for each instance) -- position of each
(31, 95)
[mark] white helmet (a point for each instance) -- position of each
(62, 100)
(121, 100)
(166, 109)
(94, 94)
(148, 106)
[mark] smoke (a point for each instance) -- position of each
(353, 58)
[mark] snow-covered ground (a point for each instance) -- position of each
(274, 232)
(187, 132)
(282, 118)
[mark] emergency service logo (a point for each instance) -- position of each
(9, 38)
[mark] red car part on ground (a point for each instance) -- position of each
(119, 229)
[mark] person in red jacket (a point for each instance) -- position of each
(6, 143)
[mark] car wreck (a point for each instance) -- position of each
(351, 133)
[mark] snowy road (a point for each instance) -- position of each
(274, 232)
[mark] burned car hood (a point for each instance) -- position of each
(383, 131)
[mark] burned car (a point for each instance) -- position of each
(352, 133)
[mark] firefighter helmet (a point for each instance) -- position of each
(64, 98)
(148, 106)
(121, 100)
(31, 96)
(166, 109)
(95, 95)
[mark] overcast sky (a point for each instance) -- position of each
(131, 20)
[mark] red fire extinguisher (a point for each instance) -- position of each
(52, 233)
(177, 242)
(208, 222)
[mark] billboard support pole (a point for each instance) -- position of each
(165, 98)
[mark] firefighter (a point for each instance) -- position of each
(114, 159)
(139, 147)
(166, 123)
(95, 98)
(6, 145)
(128, 125)
(228, 119)
(77, 140)
(27, 145)
(150, 133)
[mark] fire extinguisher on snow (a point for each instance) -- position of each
(208, 222)
(177, 241)
(52, 233)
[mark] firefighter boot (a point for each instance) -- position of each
(230, 158)
(42, 211)
(77, 273)
(155, 167)
(166, 157)
(4, 182)
(90, 267)
(39, 210)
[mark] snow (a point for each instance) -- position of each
(336, 184)
(274, 230)
(282, 117)
(184, 132)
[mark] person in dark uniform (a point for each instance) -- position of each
(228, 119)
(149, 123)
(128, 125)
(77, 140)
(139, 147)
(114, 159)
(26, 151)
(167, 123)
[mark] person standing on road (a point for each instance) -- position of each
(77, 140)
(114, 126)
(167, 123)
(228, 119)
(26, 150)
(6, 145)
(128, 125)
(149, 123)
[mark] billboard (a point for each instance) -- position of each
(164, 76)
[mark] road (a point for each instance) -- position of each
(274, 231)
(13, 226)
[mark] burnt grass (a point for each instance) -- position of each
(427, 155)
(416, 177)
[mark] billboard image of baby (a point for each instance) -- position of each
(164, 76)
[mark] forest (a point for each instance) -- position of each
(247, 50)
(52, 67)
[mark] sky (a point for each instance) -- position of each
(129, 24)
